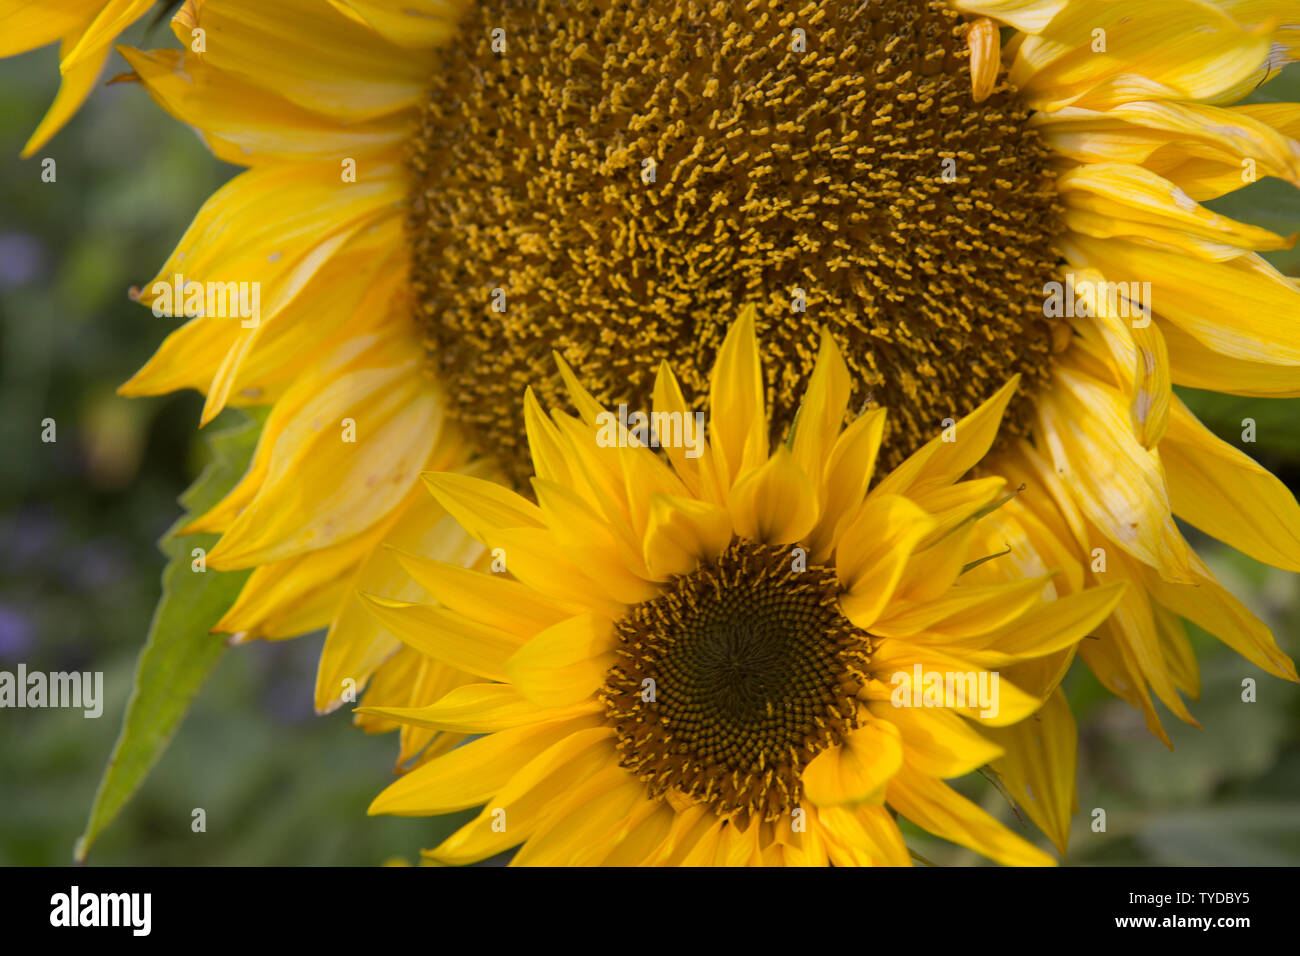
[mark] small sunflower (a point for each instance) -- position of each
(711, 659)
(85, 30)
(440, 193)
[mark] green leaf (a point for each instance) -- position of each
(180, 651)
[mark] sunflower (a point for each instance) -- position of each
(85, 30)
(714, 658)
(441, 193)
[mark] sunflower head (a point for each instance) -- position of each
(714, 647)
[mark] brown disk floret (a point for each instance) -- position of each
(629, 174)
(734, 678)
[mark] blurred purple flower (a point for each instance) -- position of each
(15, 633)
(21, 259)
(27, 536)
(101, 562)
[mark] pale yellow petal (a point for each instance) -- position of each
(566, 663)
(1086, 427)
(447, 636)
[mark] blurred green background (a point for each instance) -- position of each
(79, 570)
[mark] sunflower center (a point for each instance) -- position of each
(614, 179)
(734, 678)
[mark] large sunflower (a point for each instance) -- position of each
(716, 659)
(85, 30)
(441, 193)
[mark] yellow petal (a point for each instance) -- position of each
(807, 848)
(1198, 146)
(591, 542)
(1038, 764)
(1118, 484)
(356, 643)
(468, 776)
(937, 742)
(941, 462)
(821, 413)
(1113, 664)
(931, 804)
(515, 811)
(865, 836)
(27, 26)
(1129, 192)
(932, 571)
(114, 17)
(737, 420)
(1196, 365)
(1188, 51)
(1027, 16)
(775, 503)
(873, 552)
(845, 479)
(894, 664)
(487, 598)
(534, 557)
(705, 850)
(566, 663)
(954, 506)
(247, 125)
(482, 506)
(1224, 493)
(1178, 652)
(1210, 606)
(446, 636)
(585, 818)
(76, 86)
(370, 432)
(480, 709)
(1051, 626)
(1252, 302)
(325, 63)
(588, 408)
(688, 826)
(650, 825)
(857, 771)
(416, 24)
(1135, 624)
(964, 610)
(667, 398)
(683, 532)
(545, 442)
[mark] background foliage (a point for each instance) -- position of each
(80, 568)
